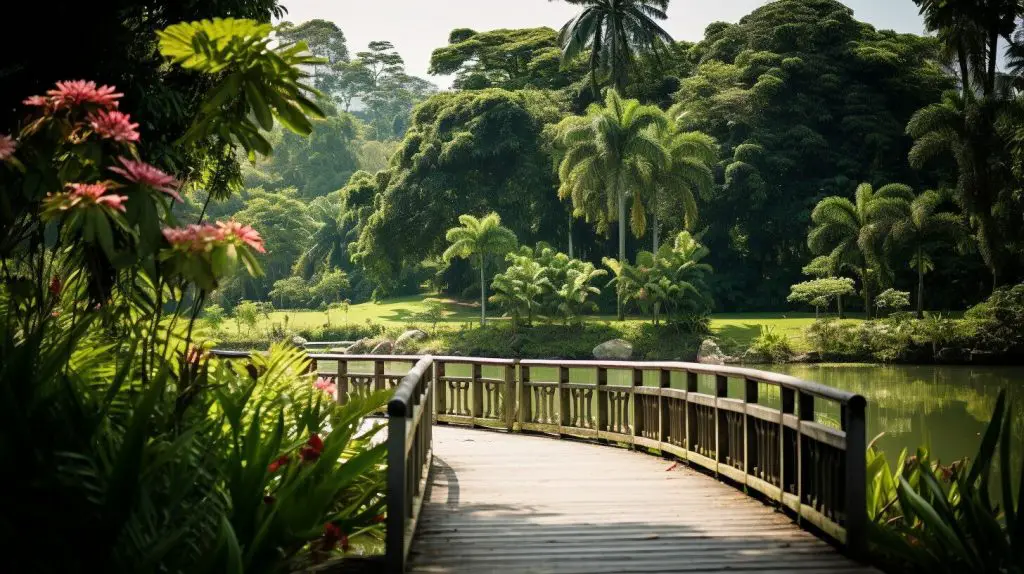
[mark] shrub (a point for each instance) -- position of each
(215, 316)
(771, 346)
(246, 313)
(892, 300)
(998, 323)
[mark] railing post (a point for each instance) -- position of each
(602, 400)
(788, 408)
(524, 396)
(510, 396)
(690, 422)
(855, 425)
(563, 399)
(378, 375)
(750, 397)
(397, 479)
(478, 393)
(806, 405)
(721, 391)
(439, 389)
(639, 421)
(342, 381)
(664, 382)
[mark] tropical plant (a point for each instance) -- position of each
(575, 292)
(673, 280)
(613, 31)
(892, 300)
(479, 239)
(433, 313)
(926, 517)
(775, 347)
(290, 291)
(610, 155)
(520, 287)
(329, 244)
(215, 316)
(820, 292)
(328, 287)
(924, 229)
(850, 232)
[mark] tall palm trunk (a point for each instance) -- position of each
(622, 241)
(866, 290)
(839, 305)
(570, 236)
(920, 285)
(654, 228)
(483, 293)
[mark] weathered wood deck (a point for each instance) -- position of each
(515, 503)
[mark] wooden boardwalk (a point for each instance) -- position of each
(527, 504)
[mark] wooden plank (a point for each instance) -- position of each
(508, 503)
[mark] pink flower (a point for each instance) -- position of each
(242, 233)
(7, 147)
(196, 238)
(142, 173)
(326, 386)
(77, 92)
(93, 194)
(114, 125)
(37, 101)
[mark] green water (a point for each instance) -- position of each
(946, 408)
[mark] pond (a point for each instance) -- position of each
(943, 407)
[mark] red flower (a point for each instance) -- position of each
(85, 195)
(196, 238)
(73, 93)
(114, 125)
(242, 233)
(282, 460)
(36, 101)
(7, 147)
(55, 286)
(344, 543)
(379, 518)
(314, 446)
(144, 174)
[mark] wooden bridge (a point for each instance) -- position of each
(490, 491)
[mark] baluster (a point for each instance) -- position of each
(750, 397)
(804, 467)
(439, 388)
(510, 396)
(855, 477)
(562, 395)
(378, 375)
(524, 396)
(602, 404)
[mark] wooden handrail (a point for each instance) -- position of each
(779, 450)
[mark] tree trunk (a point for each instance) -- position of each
(654, 228)
(622, 242)
(920, 285)
(866, 289)
(570, 236)
(965, 83)
(483, 293)
(839, 305)
(993, 48)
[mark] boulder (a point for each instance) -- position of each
(361, 347)
(298, 341)
(383, 348)
(710, 353)
(615, 349)
(410, 336)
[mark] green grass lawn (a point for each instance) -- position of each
(738, 328)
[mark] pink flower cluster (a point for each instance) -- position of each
(326, 386)
(75, 93)
(7, 147)
(144, 174)
(200, 238)
(114, 125)
(85, 195)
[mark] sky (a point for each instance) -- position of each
(417, 27)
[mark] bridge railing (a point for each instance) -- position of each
(798, 443)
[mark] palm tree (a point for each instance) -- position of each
(849, 232)
(687, 173)
(613, 31)
(329, 245)
(964, 129)
(924, 228)
(480, 237)
(611, 153)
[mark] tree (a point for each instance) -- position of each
(819, 292)
(849, 232)
(613, 31)
(329, 245)
(609, 155)
(508, 59)
(575, 292)
(324, 40)
(246, 313)
(215, 316)
(686, 174)
(923, 228)
(287, 228)
(329, 287)
(892, 300)
(290, 291)
(481, 238)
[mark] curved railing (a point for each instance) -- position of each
(797, 443)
